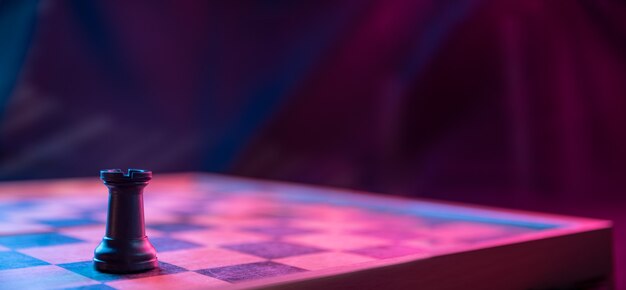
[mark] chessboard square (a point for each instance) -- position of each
(17, 205)
(220, 236)
(203, 258)
(42, 277)
(36, 240)
(99, 216)
(62, 254)
(323, 212)
(22, 227)
(275, 213)
(339, 225)
(74, 222)
(278, 230)
(273, 249)
(228, 221)
(390, 233)
(91, 233)
(91, 287)
(186, 280)
(164, 244)
(159, 217)
(87, 269)
(49, 211)
(338, 241)
(177, 227)
(13, 260)
(391, 251)
(324, 260)
(238, 273)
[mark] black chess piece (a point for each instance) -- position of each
(125, 247)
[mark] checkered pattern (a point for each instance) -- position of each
(220, 234)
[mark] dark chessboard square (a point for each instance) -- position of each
(87, 269)
(238, 273)
(92, 287)
(13, 260)
(163, 244)
(278, 230)
(36, 240)
(385, 252)
(17, 205)
(177, 227)
(62, 223)
(273, 249)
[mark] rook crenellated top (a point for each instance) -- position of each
(119, 176)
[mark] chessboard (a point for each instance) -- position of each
(220, 232)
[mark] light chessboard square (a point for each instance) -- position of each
(62, 254)
(14, 228)
(203, 258)
(92, 233)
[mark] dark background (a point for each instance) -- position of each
(510, 103)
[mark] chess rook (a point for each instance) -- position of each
(125, 247)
